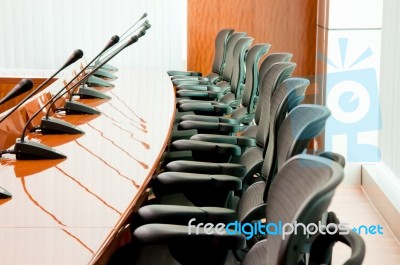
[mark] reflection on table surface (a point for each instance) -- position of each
(63, 211)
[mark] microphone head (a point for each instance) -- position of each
(132, 40)
(143, 16)
(141, 33)
(73, 58)
(114, 39)
(23, 86)
(147, 26)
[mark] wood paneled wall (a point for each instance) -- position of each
(289, 26)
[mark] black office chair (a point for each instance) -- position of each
(222, 84)
(218, 61)
(288, 95)
(301, 192)
(323, 243)
(194, 149)
(232, 98)
(250, 88)
(206, 109)
(243, 114)
(302, 124)
(251, 130)
(232, 79)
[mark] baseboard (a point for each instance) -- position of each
(352, 174)
(382, 189)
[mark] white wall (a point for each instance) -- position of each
(37, 36)
(389, 136)
(348, 63)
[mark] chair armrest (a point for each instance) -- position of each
(206, 107)
(191, 87)
(199, 94)
(214, 119)
(338, 158)
(227, 139)
(190, 77)
(322, 247)
(181, 215)
(199, 87)
(177, 182)
(183, 101)
(153, 234)
(215, 148)
(183, 73)
(178, 82)
(236, 170)
(208, 127)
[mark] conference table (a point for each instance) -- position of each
(70, 211)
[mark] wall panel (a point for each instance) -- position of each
(41, 34)
(288, 25)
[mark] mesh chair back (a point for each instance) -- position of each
(265, 65)
(275, 75)
(239, 70)
(301, 192)
(230, 55)
(288, 95)
(251, 84)
(220, 50)
(302, 124)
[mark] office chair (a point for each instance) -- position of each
(232, 98)
(218, 61)
(194, 150)
(288, 95)
(301, 192)
(232, 80)
(251, 130)
(301, 125)
(217, 108)
(322, 245)
(243, 114)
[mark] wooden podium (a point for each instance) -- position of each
(74, 210)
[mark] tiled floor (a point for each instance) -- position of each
(352, 206)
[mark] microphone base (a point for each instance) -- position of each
(4, 194)
(57, 126)
(73, 107)
(31, 150)
(104, 74)
(109, 67)
(87, 92)
(96, 81)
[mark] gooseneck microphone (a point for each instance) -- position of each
(49, 125)
(31, 150)
(74, 107)
(86, 92)
(23, 86)
(26, 149)
(77, 54)
(122, 38)
(144, 25)
(134, 24)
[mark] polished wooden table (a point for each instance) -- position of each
(69, 211)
